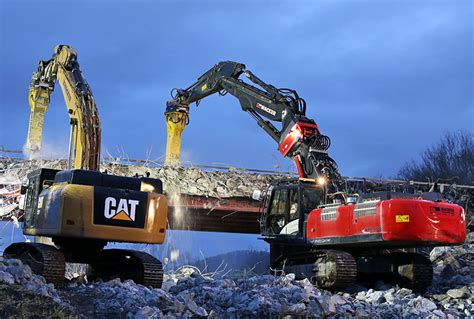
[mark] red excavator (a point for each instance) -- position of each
(315, 227)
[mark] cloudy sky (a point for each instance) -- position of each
(384, 79)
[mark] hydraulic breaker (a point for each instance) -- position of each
(176, 121)
(38, 98)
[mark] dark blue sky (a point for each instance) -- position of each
(384, 79)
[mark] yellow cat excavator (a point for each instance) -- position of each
(81, 209)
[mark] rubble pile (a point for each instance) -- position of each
(185, 180)
(13, 272)
(194, 181)
(453, 286)
(9, 197)
(188, 293)
(453, 264)
(13, 169)
(18, 302)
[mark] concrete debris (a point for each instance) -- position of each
(457, 293)
(188, 180)
(19, 302)
(148, 312)
(188, 293)
(12, 271)
(453, 265)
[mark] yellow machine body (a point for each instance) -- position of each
(134, 213)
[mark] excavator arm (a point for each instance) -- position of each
(84, 145)
(299, 137)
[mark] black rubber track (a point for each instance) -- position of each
(128, 264)
(152, 269)
(344, 272)
(415, 270)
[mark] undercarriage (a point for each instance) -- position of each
(50, 262)
(331, 268)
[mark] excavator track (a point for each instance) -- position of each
(128, 264)
(152, 269)
(406, 268)
(326, 268)
(334, 269)
(414, 270)
(43, 260)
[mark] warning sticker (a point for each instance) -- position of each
(402, 218)
(40, 202)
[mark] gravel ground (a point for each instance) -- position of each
(19, 302)
(188, 293)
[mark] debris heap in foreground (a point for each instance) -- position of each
(189, 293)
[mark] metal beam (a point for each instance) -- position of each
(231, 215)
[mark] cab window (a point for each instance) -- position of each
(293, 204)
(274, 204)
(278, 210)
(30, 200)
(279, 202)
(311, 199)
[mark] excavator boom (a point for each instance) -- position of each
(299, 137)
(84, 150)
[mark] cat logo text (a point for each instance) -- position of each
(120, 209)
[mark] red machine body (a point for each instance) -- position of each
(400, 221)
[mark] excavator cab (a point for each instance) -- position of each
(289, 205)
(38, 180)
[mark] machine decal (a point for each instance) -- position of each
(446, 211)
(402, 218)
(120, 207)
(125, 210)
(266, 109)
